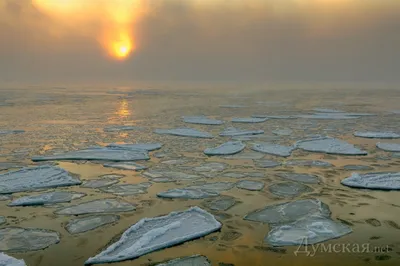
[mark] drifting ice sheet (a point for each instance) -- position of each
(303, 178)
(85, 224)
(248, 120)
(101, 154)
(228, 148)
(377, 135)
(313, 229)
(274, 149)
(310, 163)
(128, 189)
(289, 212)
(6, 260)
(152, 234)
(184, 132)
(196, 260)
(47, 198)
(187, 193)
(329, 146)
(16, 239)
(97, 206)
(33, 178)
(393, 147)
(201, 120)
(289, 189)
(137, 146)
(250, 185)
(382, 180)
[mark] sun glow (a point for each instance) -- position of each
(115, 20)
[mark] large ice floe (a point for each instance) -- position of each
(232, 132)
(184, 132)
(392, 147)
(299, 222)
(289, 189)
(6, 260)
(222, 203)
(228, 148)
(152, 234)
(47, 198)
(306, 231)
(16, 239)
(377, 135)
(330, 146)
(248, 120)
(299, 177)
(137, 146)
(187, 193)
(275, 116)
(98, 153)
(266, 163)
(33, 178)
(116, 128)
(89, 223)
(201, 120)
(379, 180)
(196, 260)
(97, 206)
(127, 189)
(273, 149)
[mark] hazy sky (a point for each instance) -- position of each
(206, 40)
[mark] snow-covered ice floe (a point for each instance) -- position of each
(201, 120)
(379, 180)
(152, 234)
(227, 148)
(33, 178)
(98, 153)
(184, 132)
(6, 260)
(330, 146)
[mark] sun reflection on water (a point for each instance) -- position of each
(123, 111)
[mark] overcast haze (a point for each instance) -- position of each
(193, 40)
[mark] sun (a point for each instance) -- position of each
(122, 48)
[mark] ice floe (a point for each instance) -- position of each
(352, 167)
(6, 260)
(250, 185)
(169, 176)
(211, 167)
(222, 203)
(187, 193)
(2, 221)
(89, 223)
(377, 135)
(248, 120)
(311, 163)
(379, 180)
(289, 189)
(214, 186)
(126, 166)
(228, 148)
(392, 147)
(152, 234)
(196, 260)
(306, 231)
(184, 132)
(47, 198)
(98, 153)
(138, 146)
(283, 132)
(127, 189)
(98, 183)
(97, 206)
(266, 163)
(273, 149)
(275, 116)
(298, 177)
(329, 146)
(17, 239)
(201, 120)
(289, 212)
(33, 178)
(231, 132)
